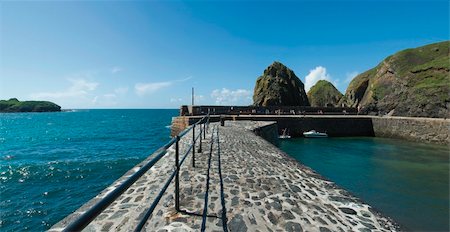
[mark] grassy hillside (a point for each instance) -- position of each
(412, 82)
(14, 105)
(323, 94)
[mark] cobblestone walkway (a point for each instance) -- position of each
(264, 189)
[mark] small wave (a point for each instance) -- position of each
(168, 127)
(8, 157)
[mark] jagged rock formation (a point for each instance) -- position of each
(412, 82)
(324, 94)
(279, 86)
(14, 105)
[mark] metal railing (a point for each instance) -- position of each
(222, 194)
(89, 215)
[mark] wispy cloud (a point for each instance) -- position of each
(176, 100)
(142, 89)
(349, 76)
(116, 69)
(225, 96)
(79, 88)
(121, 90)
(105, 100)
(316, 74)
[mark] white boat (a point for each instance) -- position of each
(314, 134)
(285, 134)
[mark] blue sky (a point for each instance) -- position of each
(148, 54)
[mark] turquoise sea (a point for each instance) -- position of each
(52, 163)
(404, 180)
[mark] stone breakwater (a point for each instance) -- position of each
(427, 130)
(264, 189)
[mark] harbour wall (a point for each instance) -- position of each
(428, 130)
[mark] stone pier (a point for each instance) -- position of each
(264, 190)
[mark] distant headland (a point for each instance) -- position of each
(13, 105)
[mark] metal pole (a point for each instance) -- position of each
(193, 147)
(177, 177)
(200, 145)
(204, 132)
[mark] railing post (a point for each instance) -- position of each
(177, 176)
(193, 146)
(204, 131)
(200, 144)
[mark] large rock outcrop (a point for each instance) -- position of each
(412, 82)
(279, 86)
(324, 94)
(14, 105)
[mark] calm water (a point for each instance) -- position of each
(404, 180)
(52, 163)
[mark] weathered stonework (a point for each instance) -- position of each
(426, 130)
(431, 130)
(264, 190)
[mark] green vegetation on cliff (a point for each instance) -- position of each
(324, 94)
(14, 105)
(412, 82)
(279, 86)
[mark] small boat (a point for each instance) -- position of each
(314, 134)
(285, 134)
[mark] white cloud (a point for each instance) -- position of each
(116, 69)
(176, 100)
(105, 100)
(319, 73)
(146, 88)
(142, 89)
(79, 88)
(231, 97)
(199, 99)
(349, 76)
(121, 90)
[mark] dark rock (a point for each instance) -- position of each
(276, 205)
(347, 210)
(293, 227)
(279, 86)
(234, 201)
(295, 188)
(237, 224)
(287, 215)
(368, 225)
(252, 219)
(324, 229)
(272, 218)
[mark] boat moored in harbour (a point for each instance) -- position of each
(314, 134)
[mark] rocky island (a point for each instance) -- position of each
(14, 105)
(324, 94)
(279, 86)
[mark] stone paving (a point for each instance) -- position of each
(264, 189)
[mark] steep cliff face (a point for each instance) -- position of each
(412, 82)
(324, 94)
(279, 86)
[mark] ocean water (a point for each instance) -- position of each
(52, 163)
(406, 181)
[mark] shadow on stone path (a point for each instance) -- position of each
(264, 189)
